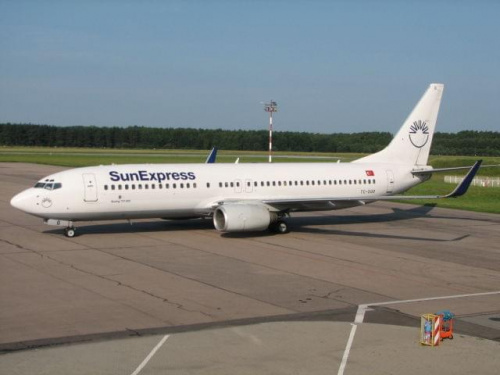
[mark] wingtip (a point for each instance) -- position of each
(462, 188)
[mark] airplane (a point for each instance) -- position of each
(243, 197)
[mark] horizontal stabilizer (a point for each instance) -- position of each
(433, 170)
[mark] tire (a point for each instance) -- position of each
(69, 232)
(281, 227)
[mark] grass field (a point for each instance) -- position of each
(477, 198)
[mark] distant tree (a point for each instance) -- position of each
(462, 143)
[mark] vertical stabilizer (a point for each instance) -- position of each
(412, 144)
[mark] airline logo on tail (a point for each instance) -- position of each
(419, 134)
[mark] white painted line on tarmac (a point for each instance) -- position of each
(360, 314)
(348, 348)
(150, 355)
(362, 309)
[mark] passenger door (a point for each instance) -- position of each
(90, 187)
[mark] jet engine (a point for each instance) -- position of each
(243, 218)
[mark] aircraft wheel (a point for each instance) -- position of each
(69, 232)
(281, 227)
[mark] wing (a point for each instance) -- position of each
(331, 203)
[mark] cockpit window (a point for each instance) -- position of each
(48, 185)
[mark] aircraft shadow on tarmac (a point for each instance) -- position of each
(300, 224)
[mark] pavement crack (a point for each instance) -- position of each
(329, 294)
(18, 246)
(121, 284)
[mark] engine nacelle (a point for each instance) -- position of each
(242, 218)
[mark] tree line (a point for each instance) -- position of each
(485, 143)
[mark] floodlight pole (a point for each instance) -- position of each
(271, 107)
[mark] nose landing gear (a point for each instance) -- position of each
(69, 232)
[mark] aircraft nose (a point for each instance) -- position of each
(22, 201)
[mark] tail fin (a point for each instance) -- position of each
(412, 143)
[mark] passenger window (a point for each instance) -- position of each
(174, 186)
(226, 184)
(105, 187)
(167, 186)
(146, 186)
(194, 185)
(208, 184)
(133, 186)
(354, 182)
(112, 187)
(279, 183)
(126, 186)
(181, 186)
(188, 185)
(153, 186)
(268, 183)
(232, 184)
(160, 186)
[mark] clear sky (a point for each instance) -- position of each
(332, 66)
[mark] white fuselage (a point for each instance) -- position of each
(194, 190)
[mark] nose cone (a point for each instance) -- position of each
(23, 201)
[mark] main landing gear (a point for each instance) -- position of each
(280, 226)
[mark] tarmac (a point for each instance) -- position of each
(343, 292)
